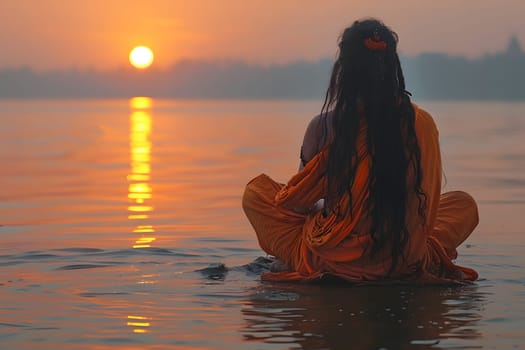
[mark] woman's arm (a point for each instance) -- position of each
(314, 139)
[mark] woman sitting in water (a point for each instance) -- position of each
(367, 205)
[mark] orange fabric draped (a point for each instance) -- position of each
(313, 245)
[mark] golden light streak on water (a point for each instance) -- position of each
(139, 196)
(140, 192)
(140, 322)
(140, 208)
(138, 177)
(144, 242)
(144, 228)
(146, 239)
(137, 216)
(137, 103)
(140, 188)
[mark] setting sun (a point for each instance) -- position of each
(141, 57)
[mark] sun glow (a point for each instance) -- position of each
(141, 57)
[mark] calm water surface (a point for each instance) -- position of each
(121, 228)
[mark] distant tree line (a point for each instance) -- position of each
(436, 76)
(498, 76)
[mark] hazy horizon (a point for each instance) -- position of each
(63, 35)
(155, 68)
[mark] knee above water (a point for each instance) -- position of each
(470, 205)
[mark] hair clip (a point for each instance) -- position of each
(375, 43)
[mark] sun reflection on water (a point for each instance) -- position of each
(140, 323)
(140, 191)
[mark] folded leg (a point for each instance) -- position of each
(279, 231)
(457, 216)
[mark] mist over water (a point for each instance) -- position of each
(121, 227)
(434, 76)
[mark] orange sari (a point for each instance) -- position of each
(313, 245)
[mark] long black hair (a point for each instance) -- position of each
(367, 86)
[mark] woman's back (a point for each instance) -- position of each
(374, 158)
(324, 230)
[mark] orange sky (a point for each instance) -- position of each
(55, 34)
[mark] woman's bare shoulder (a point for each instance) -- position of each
(315, 136)
(314, 123)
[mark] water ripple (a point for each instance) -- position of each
(81, 266)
